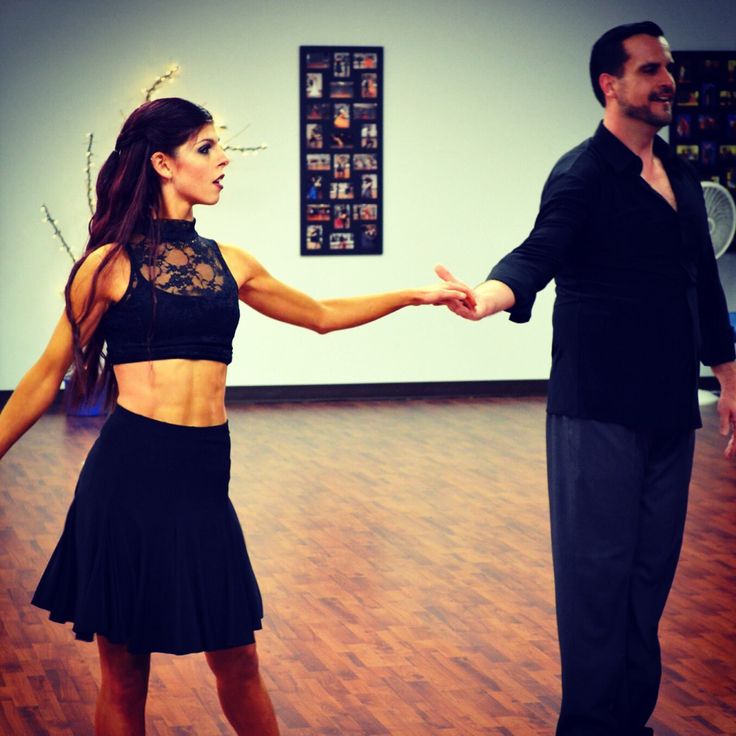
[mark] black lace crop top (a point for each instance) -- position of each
(196, 301)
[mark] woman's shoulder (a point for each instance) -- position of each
(115, 273)
(242, 264)
(233, 251)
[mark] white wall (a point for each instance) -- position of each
(481, 98)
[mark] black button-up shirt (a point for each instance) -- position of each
(639, 302)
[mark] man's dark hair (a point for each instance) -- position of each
(608, 55)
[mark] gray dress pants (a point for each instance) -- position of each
(618, 498)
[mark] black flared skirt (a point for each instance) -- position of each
(152, 554)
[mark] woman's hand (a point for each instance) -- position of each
(448, 292)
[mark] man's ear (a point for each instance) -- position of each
(607, 83)
(161, 165)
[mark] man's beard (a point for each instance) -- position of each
(647, 115)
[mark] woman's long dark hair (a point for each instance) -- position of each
(128, 202)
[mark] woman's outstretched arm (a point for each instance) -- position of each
(39, 386)
(260, 290)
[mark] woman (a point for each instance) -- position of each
(152, 557)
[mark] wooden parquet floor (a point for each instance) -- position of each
(403, 553)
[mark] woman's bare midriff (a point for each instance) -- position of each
(177, 391)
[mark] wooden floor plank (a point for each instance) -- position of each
(403, 554)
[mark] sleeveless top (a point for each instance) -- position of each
(183, 306)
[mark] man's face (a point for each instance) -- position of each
(646, 89)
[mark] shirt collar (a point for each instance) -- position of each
(622, 158)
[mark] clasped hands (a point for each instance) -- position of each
(474, 304)
(456, 295)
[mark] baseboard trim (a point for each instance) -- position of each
(385, 391)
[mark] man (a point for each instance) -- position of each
(622, 229)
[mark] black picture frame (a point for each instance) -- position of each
(703, 128)
(341, 150)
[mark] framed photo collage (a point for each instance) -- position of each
(341, 132)
(703, 128)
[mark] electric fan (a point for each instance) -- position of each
(721, 211)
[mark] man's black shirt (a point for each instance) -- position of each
(638, 303)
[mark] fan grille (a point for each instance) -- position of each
(721, 211)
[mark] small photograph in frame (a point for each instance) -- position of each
(365, 110)
(318, 111)
(683, 72)
(314, 85)
(363, 212)
(688, 152)
(341, 216)
(368, 186)
(318, 212)
(341, 64)
(341, 115)
(727, 98)
(315, 237)
(315, 188)
(369, 86)
(318, 162)
(365, 161)
(365, 60)
(368, 236)
(731, 126)
(683, 126)
(687, 97)
(369, 135)
(341, 138)
(729, 178)
(342, 90)
(318, 60)
(342, 241)
(711, 69)
(707, 123)
(342, 166)
(709, 95)
(731, 71)
(708, 153)
(341, 190)
(727, 152)
(315, 136)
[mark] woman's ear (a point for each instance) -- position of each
(162, 165)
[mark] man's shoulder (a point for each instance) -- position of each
(582, 161)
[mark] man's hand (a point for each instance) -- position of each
(726, 375)
(487, 298)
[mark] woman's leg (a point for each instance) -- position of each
(122, 699)
(243, 696)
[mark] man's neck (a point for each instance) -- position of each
(637, 136)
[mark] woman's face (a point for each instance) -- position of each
(197, 168)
